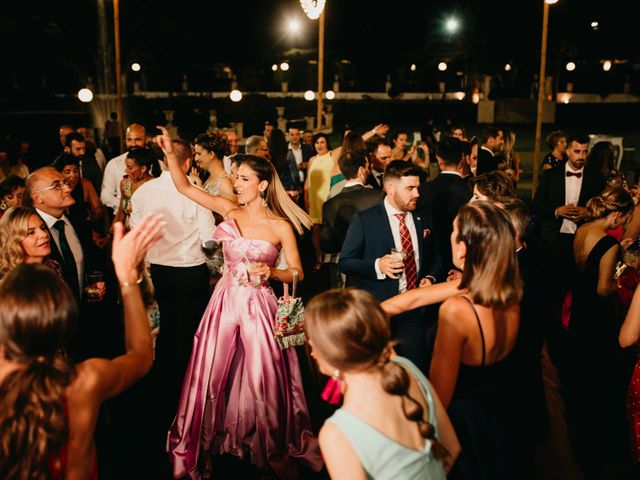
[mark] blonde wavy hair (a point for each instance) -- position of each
(275, 195)
(14, 228)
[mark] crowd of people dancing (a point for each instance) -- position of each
(452, 328)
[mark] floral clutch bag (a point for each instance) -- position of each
(289, 326)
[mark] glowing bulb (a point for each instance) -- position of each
(442, 66)
(85, 95)
(294, 26)
(595, 25)
(284, 66)
(452, 25)
(570, 67)
(274, 67)
(507, 67)
(309, 95)
(413, 67)
(235, 95)
(606, 65)
(135, 67)
(330, 95)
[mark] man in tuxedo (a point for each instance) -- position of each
(71, 243)
(367, 260)
(354, 197)
(380, 154)
(491, 142)
(438, 205)
(559, 205)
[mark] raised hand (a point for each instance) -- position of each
(164, 140)
(129, 250)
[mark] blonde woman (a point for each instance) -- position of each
(25, 239)
(235, 355)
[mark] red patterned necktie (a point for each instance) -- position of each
(409, 260)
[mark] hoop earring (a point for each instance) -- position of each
(263, 196)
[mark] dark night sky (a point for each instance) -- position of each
(58, 40)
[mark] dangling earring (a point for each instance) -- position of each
(336, 374)
(263, 196)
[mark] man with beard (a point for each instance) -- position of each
(383, 254)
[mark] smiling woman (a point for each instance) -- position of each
(25, 239)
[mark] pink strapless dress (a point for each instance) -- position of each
(241, 394)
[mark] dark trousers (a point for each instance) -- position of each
(410, 331)
(182, 294)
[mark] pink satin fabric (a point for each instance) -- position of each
(241, 394)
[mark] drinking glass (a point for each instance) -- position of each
(94, 287)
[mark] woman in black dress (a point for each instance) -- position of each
(599, 371)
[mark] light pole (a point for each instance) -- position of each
(314, 9)
(541, 94)
(116, 26)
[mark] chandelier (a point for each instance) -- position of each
(313, 8)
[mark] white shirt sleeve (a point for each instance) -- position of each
(110, 191)
(206, 224)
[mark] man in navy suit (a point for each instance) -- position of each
(299, 152)
(367, 261)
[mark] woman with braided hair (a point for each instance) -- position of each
(49, 405)
(392, 424)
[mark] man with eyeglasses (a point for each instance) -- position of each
(257, 145)
(71, 244)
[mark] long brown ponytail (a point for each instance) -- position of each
(37, 314)
(351, 331)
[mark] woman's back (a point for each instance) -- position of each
(388, 444)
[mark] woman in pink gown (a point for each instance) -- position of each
(242, 394)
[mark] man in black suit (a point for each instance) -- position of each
(438, 205)
(299, 152)
(71, 241)
(354, 197)
(559, 205)
(491, 142)
(367, 260)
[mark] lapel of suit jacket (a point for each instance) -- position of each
(417, 221)
(55, 251)
(386, 233)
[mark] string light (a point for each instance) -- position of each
(313, 8)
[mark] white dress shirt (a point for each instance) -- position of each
(226, 163)
(188, 225)
(113, 173)
(72, 240)
(394, 223)
(572, 186)
(297, 155)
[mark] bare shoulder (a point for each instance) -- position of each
(89, 376)
(330, 437)
(453, 308)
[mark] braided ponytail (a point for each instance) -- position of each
(395, 381)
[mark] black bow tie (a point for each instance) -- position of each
(574, 174)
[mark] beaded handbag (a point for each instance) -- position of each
(289, 326)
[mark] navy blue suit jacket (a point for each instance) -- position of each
(369, 237)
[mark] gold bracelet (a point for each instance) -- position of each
(131, 284)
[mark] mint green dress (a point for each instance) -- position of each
(383, 458)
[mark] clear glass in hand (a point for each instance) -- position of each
(398, 254)
(94, 287)
(255, 280)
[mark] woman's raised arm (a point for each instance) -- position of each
(219, 205)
